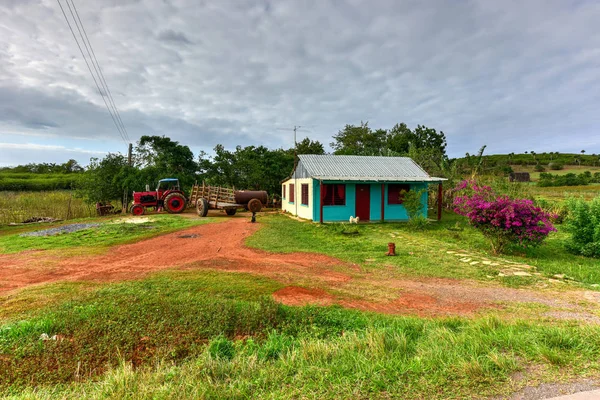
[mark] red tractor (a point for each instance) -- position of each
(168, 195)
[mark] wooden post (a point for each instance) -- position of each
(382, 202)
(321, 201)
(440, 197)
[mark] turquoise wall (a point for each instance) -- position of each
(392, 212)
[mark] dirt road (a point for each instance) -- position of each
(309, 278)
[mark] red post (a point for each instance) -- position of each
(321, 201)
(440, 197)
(382, 202)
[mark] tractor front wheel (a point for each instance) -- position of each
(138, 209)
(175, 203)
(202, 207)
(230, 211)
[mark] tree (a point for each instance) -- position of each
(71, 166)
(105, 179)
(307, 146)
(160, 157)
(359, 140)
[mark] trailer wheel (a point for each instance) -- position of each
(202, 207)
(175, 203)
(254, 205)
(138, 209)
(230, 211)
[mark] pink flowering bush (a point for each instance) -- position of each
(501, 219)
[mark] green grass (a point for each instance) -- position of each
(561, 193)
(28, 181)
(195, 334)
(19, 206)
(421, 253)
(106, 235)
(568, 169)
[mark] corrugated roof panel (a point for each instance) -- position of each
(331, 167)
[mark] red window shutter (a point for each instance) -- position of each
(292, 192)
(283, 191)
(395, 193)
(305, 194)
(334, 195)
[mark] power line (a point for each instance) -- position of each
(98, 70)
(121, 133)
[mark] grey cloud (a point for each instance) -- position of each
(172, 36)
(514, 75)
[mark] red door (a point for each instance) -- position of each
(363, 202)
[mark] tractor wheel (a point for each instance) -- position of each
(175, 203)
(230, 211)
(202, 207)
(254, 205)
(138, 209)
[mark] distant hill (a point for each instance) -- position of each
(543, 159)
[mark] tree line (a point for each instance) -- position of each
(250, 167)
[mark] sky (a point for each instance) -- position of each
(513, 75)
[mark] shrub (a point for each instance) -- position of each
(583, 223)
(414, 208)
(502, 220)
(540, 168)
(555, 166)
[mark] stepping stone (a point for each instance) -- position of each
(555, 281)
(501, 274)
(450, 252)
(370, 260)
(494, 264)
(487, 262)
(559, 276)
(521, 273)
(465, 260)
(474, 262)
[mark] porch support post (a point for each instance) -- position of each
(440, 196)
(321, 202)
(382, 202)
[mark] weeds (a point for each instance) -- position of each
(181, 335)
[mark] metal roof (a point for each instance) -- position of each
(364, 168)
(169, 180)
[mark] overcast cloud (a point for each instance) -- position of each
(515, 75)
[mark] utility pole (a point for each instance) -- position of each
(296, 128)
(130, 163)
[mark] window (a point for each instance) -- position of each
(395, 195)
(283, 192)
(334, 195)
(292, 194)
(304, 194)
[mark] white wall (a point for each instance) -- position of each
(302, 210)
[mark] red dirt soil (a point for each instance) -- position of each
(221, 247)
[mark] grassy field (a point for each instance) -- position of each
(217, 335)
(19, 206)
(110, 232)
(27, 181)
(422, 253)
(205, 334)
(568, 169)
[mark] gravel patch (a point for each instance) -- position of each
(60, 229)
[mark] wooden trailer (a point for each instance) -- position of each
(220, 198)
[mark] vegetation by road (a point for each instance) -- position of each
(426, 253)
(110, 232)
(215, 335)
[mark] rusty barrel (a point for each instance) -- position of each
(244, 196)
